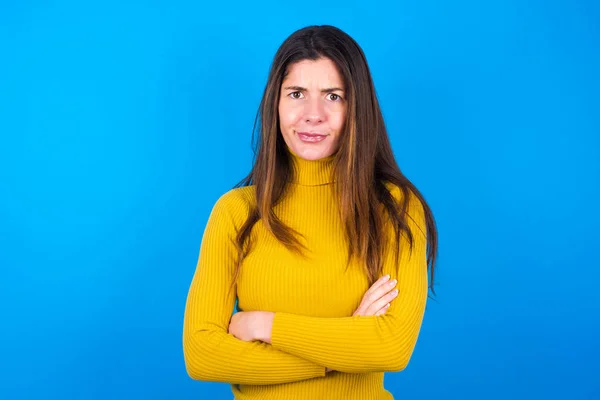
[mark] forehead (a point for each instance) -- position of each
(321, 72)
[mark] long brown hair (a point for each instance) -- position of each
(362, 165)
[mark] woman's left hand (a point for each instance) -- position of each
(252, 325)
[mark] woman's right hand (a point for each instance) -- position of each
(377, 299)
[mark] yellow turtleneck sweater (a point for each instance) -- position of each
(313, 301)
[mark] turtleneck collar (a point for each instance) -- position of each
(311, 173)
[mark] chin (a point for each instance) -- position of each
(311, 154)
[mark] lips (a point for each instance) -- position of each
(311, 137)
(311, 134)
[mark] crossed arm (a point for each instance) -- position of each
(270, 348)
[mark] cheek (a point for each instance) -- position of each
(288, 116)
(336, 120)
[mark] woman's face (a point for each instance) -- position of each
(312, 108)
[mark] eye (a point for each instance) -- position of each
(335, 97)
(295, 95)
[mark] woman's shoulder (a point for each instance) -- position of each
(238, 196)
(415, 207)
(236, 202)
(398, 193)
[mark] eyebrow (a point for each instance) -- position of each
(301, 89)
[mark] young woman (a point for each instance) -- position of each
(325, 244)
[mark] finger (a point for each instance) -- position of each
(385, 288)
(380, 291)
(378, 284)
(375, 292)
(382, 301)
(383, 310)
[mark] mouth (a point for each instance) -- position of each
(311, 137)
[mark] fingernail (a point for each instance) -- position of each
(395, 292)
(392, 283)
(385, 278)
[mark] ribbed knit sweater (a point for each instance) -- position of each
(313, 300)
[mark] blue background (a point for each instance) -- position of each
(122, 122)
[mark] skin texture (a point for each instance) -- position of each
(308, 103)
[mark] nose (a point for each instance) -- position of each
(314, 111)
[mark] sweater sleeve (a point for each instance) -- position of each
(367, 343)
(210, 352)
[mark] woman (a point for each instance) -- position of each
(325, 244)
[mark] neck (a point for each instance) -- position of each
(311, 172)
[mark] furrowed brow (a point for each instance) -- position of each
(297, 88)
(334, 89)
(302, 89)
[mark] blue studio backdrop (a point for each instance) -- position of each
(122, 122)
